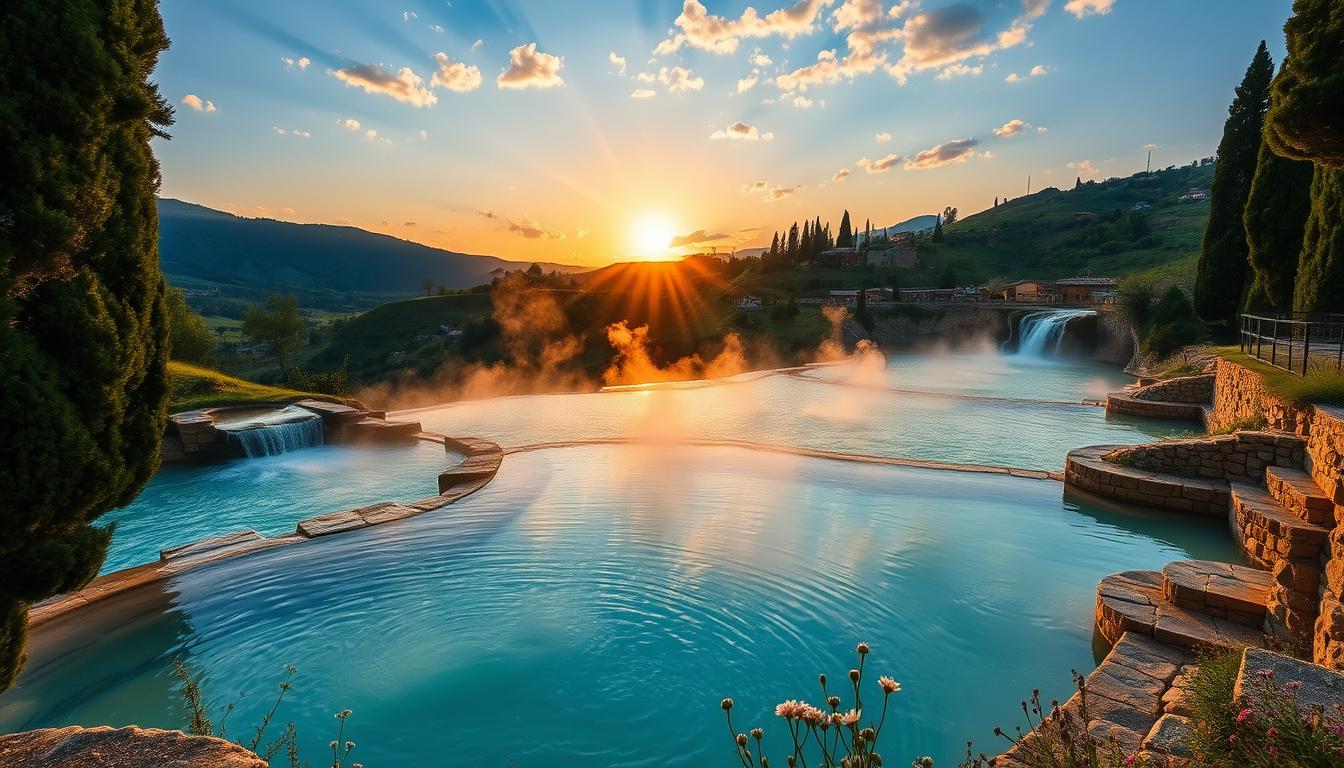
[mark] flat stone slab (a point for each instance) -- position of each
(1127, 405)
(104, 747)
(1170, 735)
(1232, 592)
(333, 522)
(1261, 668)
(474, 468)
(204, 546)
(472, 446)
(338, 411)
(1295, 490)
(1133, 601)
(389, 512)
(1088, 469)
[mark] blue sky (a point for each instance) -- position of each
(592, 132)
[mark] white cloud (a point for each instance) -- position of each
(1042, 129)
(424, 135)
(617, 61)
(436, 29)
(947, 153)
(198, 104)
(841, 174)
(527, 227)
(293, 132)
(1152, 146)
(776, 194)
(408, 15)
(478, 45)
(349, 123)
(759, 59)
(643, 93)
(755, 186)
(1011, 128)
(675, 79)
(1040, 70)
(881, 165)
(802, 102)
(403, 85)
(1084, 168)
(960, 70)
(748, 82)
(1081, 8)
(881, 137)
(530, 68)
(718, 34)
(740, 131)
(300, 63)
(455, 75)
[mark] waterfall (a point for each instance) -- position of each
(272, 432)
(1042, 332)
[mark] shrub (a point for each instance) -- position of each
(1268, 730)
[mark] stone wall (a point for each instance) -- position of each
(1240, 397)
(1325, 463)
(1239, 456)
(1186, 389)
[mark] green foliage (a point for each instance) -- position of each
(949, 277)
(278, 325)
(83, 334)
(1320, 270)
(1173, 324)
(1264, 731)
(192, 386)
(1308, 94)
(189, 338)
(1323, 386)
(335, 382)
(938, 235)
(1134, 300)
(1221, 275)
(1276, 213)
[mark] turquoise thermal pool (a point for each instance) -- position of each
(593, 604)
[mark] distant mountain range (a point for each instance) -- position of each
(203, 245)
(923, 223)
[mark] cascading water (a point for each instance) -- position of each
(1042, 332)
(274, 431)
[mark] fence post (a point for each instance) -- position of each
(1274, 345)
(1292, 335)
(1306, 346)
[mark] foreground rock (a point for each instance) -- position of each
(131, 747)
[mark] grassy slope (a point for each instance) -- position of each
(1035, 236)
(192, 386)
(1323, 387)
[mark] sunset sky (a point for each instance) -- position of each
(586, 133)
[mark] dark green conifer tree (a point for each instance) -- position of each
(938, 230)
(791, 250)
(1276, 215)
(805, 242)
(83, 332)
(845, 238)
(1303, 123)
(1220, 279)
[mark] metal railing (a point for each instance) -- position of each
(1296, 342)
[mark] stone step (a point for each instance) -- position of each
(1296, 491)
(1222, 590)
(1268, 532)
(1133, 601)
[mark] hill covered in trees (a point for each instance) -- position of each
(1113, 228)
(325, 266)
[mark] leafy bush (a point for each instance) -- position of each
(325, 382)
(1173, 324)
(1267, 731)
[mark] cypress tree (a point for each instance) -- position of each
(1303, 123)
(1308, 94)
(1276, 212)
(1220, 280)
(805, 242)
(845, 238)
(1320, 270)
(83, 333)
(819, 243)
(774, 251)
(938, 230)
(791, 250)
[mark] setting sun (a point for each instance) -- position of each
(651, 236)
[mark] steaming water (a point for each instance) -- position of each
(592, 605)
(980, 409)
(1042, 332)
(188, 502)
(272, 431)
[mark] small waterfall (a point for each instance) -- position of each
(1042, 332)
(272, 432)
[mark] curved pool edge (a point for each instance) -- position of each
(482, 462)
